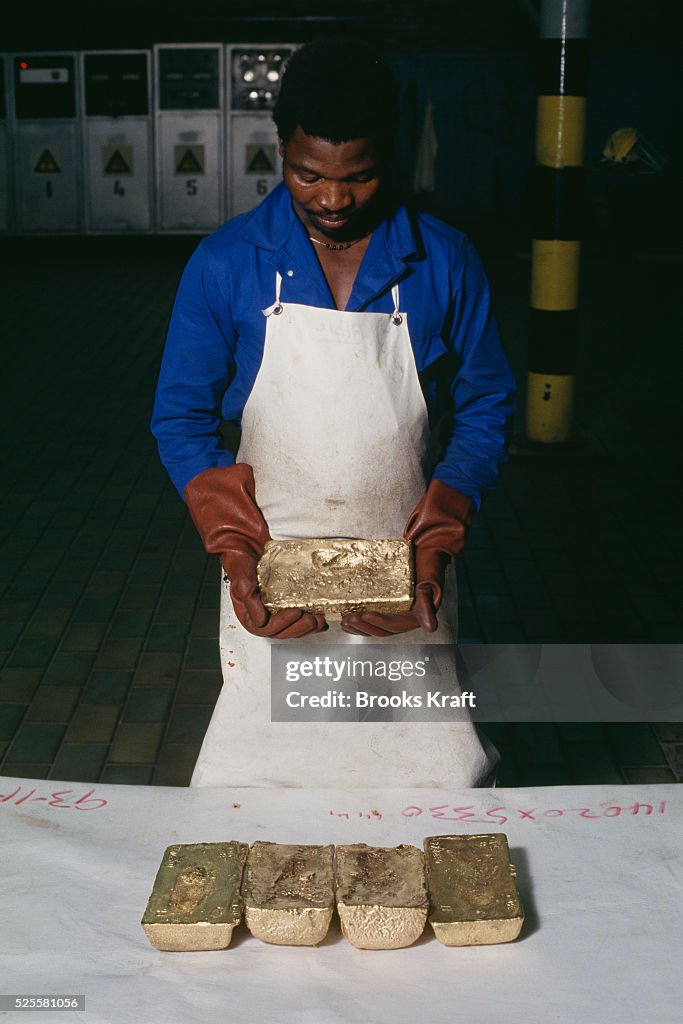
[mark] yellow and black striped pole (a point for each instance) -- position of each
(557, 220)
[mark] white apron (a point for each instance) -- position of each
(336, 431)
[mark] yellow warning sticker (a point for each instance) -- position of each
(188, 159)
(259, 158)
(46, 161)
(117, 161)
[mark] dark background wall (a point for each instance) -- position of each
(475, 58)
(634, 26)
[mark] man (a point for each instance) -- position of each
(342, 333)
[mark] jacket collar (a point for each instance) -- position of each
(274, 226)
(270, 224)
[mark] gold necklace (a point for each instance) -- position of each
(336, 247)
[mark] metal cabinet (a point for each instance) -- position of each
(117, 141)
(253, 80)
(47, 154)
(5, 158)
(189, 121)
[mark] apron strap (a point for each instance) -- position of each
(277, 307)
(396, 317)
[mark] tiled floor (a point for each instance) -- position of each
(108, 605)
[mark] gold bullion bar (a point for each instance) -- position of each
(196, 902)
(289, 893)
(473, 897)
(337, 576)
(381, 895)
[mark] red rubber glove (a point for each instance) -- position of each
(223, 507)
(437, 527)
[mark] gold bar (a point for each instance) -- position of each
(473, 897)
(381, 895)
(289, 893)
(336, 577)
(196, 902)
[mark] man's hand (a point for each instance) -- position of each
(288, 624)
(223, 507)
(429, 573)
(437, 528)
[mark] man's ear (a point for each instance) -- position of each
(280, 147)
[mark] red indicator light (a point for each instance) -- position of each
(23, 65)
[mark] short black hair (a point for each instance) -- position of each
(338, 88)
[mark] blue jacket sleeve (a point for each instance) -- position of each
(481, 390)
(196, 368)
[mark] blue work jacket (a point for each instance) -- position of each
(217, 330)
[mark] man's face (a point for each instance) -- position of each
(334, 186)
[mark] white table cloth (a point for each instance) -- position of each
(600, 870)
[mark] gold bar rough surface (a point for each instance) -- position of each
(473, 896)
(336, 576)
(289, 893)
(381, 895)
(196, 902)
